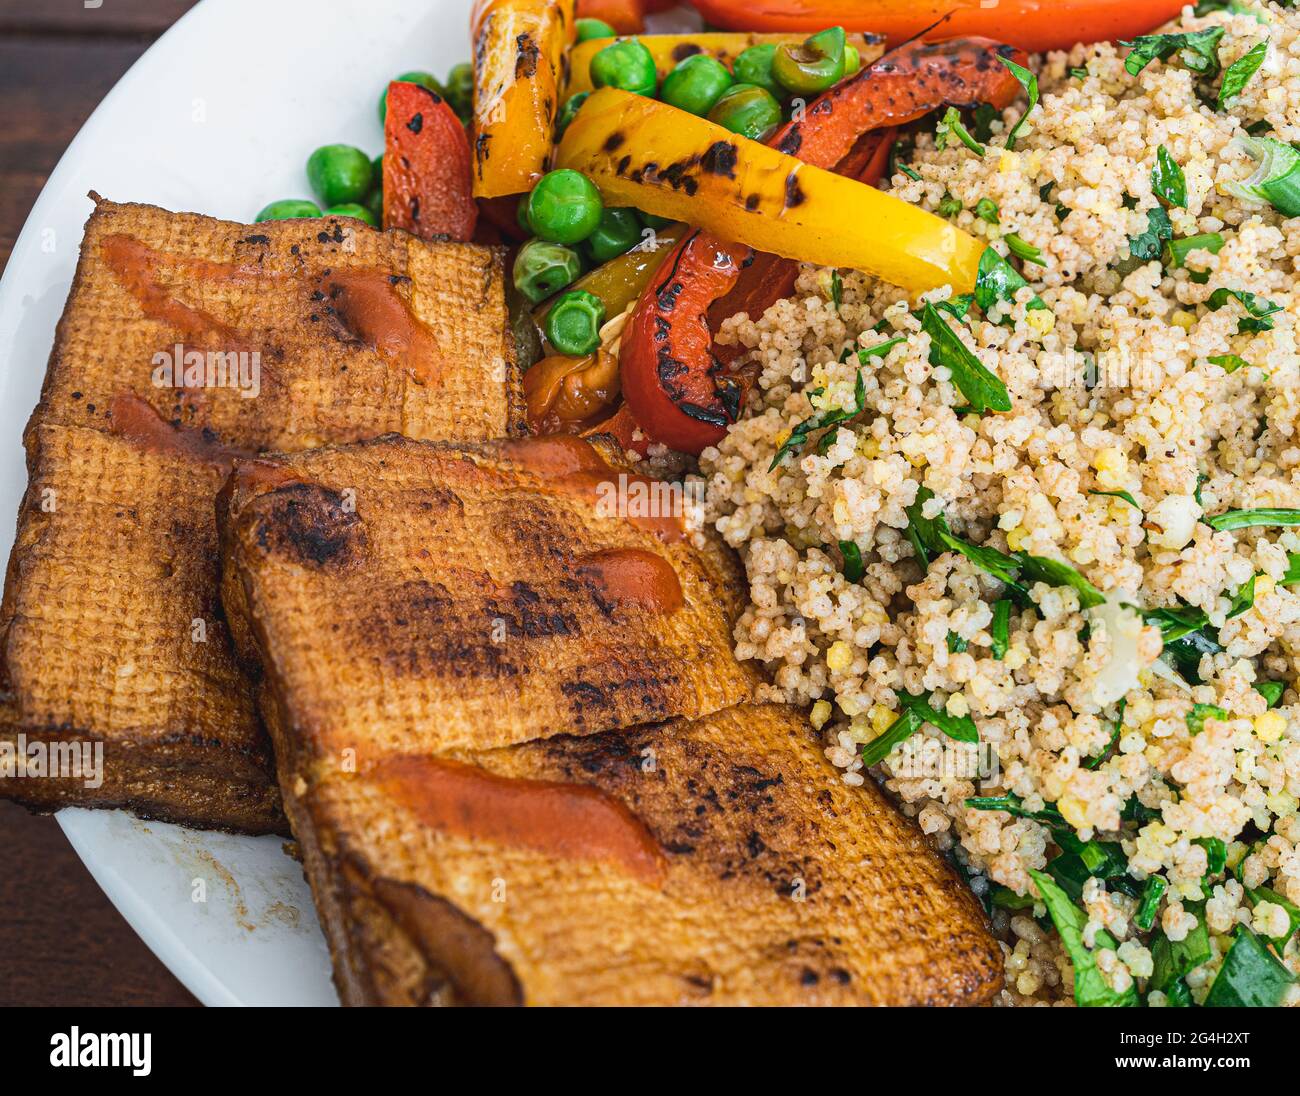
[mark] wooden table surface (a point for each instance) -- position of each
(63, 942)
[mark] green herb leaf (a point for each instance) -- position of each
(1216, 852)
(853, 568)
(907, 724)
(1000, 629)
(800, 433)
(1245, 519)
(1011, 803)
(1200, 713)
(986, 209)
(1292, 575)
(951, 126)
(1167, 180)
(1271, 691)
(1230, 363)
(1023, 250)
(926, 534)
(1149, 244)
(1174, 959)
(1259, 311)
(997, 564)
(1251, 976)
(1265, 894)
(982, 119)
(1004, 898)
(1243, 599)
(1238, 74)
(961, 729)
(1029, 82)
(1120, 495)
(1198, 50)
(949, 206)
(1154, 890)
(981, 387)
(1100, 759)
(1090, 987)
(1079, 73)
(956, 644)
(997, 280)
(1055, 573)
(880, 349)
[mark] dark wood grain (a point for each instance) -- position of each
(63, 942)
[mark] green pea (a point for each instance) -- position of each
(569, 111)
(543, 268)
(594, 28)
(696, 84)
(288, 209)
(564, 207)
(812, 67)
(852, 60)
(748, 110)
(521, 214)
(618, 231)
(625, 64)
(424, 79)
(339, 173)
(459, 91)
(352, 209)
(754, 66)
(573, 323)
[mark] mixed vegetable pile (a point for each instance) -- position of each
(651, 185)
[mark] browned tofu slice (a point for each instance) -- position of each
(504, 816)
(471, 596)
(185, 342)
(114, 635)
(715, 861)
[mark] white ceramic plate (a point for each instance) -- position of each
(219, 118)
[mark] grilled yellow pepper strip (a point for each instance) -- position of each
(646, 154)
(518, 59)
(669, 49)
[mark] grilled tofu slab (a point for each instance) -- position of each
(186, 342)
(518, 776)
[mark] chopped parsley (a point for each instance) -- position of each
(981, 387)
(800, 433)
(1243, 599)
(853, 567)
(1200, 713)
(986, 209)
(1167, 180)
(1238, 74)
(1198, 50)
(1149, 244)
(1230, 363)
(1029, 82)
(1259, 311)
(1090, 987)
(1251, 976)
(1000, 629)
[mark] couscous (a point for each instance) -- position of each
(1032, 559)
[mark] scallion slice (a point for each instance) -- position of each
(1277, 178)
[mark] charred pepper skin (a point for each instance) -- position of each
(682, 395)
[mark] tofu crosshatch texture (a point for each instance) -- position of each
(691, 844)
(293, 334)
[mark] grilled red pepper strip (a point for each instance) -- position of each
(904, 85)
(625, 16)
(428, 182)
(674, 387)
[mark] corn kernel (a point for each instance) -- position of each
(1183, 319)
(840, 512)
(1041, 320)
(1112, 467)
(957, 706)
(869, 448)
(1007, 162)
(881, 717)
(1016, 537)
(1073, 810)
(1270, 726)
(821, 712)
(839, 656)
(917, 460)
(1282, 804)
(1016, 657)
(1264, 584)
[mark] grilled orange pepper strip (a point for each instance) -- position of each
(518, 61)
(646, 154)
(669, 49)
